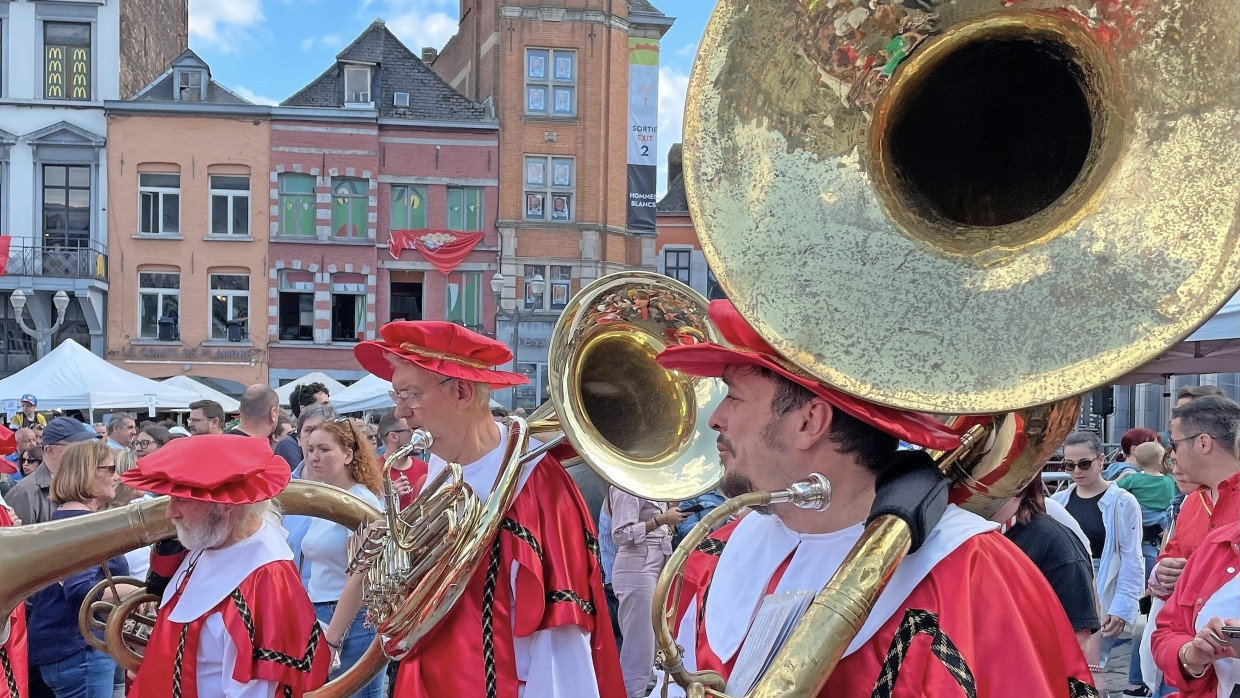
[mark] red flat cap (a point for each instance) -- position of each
(749, 349)
(440, 347)
(220, 468)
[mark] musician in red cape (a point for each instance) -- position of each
(966, 614)
(533, 621)
(234, 619)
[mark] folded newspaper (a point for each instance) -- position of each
(776, 618)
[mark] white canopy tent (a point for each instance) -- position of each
(1213, 348)
(333, 386)
(370, 393)
(205, 392)
(70, 377)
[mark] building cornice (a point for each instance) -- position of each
(431, 123)
(129, 108)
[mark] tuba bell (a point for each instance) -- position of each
(969, 208)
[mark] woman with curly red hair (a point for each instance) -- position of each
(338, 453)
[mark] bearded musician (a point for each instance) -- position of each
(966, 614)
(533, 620)
(234, 619)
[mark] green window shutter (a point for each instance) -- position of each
(473, 209)
(453, 297)
(456, 209)
(472, 311)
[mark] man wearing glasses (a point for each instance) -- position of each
(1203, 437)
(534, 616)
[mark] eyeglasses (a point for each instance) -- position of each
(1186, 438)
(1083, 464)
(144, 444)
(23, 459)
(412, 398)
(107, 469)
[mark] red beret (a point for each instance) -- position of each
(440, 347)
(749, 349)
(8, 444)
(221, 468)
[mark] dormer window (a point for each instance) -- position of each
(189, 85)
(357, 86)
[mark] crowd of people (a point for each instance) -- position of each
(253, 603)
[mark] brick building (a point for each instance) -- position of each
(187, 234)
(678, 252)
(557, 78)
(376, 143)
(60, 62)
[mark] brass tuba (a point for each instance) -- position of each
(37, 555)
(969, 208)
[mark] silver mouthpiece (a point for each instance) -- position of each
(814, 492)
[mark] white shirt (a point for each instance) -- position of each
(216, 573)
(1223, 604)
(551, 663)
(324, 550)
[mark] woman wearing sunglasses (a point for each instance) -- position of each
(1111, 520)
(30, 460)
(85, 482)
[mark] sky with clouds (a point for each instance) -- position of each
(266, 50)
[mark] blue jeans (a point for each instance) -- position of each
(356, 640)
(87, 673)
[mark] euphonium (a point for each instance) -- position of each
(966, 208)
(34, 556)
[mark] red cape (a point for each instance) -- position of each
(270, 620)
(13, 669)
(986, 598)
(550, 535)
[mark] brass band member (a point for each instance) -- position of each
(533, 620)
(966, 614)
(234, 620)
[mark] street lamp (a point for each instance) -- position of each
(516, 315)
(17, 299)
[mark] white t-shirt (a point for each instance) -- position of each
(1224, 604)
(324, 551)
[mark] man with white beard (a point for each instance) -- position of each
(234, 621)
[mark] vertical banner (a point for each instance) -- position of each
(643, 129)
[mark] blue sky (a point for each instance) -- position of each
(266, 50)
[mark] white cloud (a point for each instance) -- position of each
(224, 23)
(246, 93)
(307, 44)
(673, 84)
(687, 51)
(418, 28)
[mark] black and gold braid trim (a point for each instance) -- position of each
(268, 655)
(1080, 689)
(570, 596)
(919, 621)
(10, 679)
(287, 691)
(711, 546)
(488, 619)
(592, 546)
(180, 662)
(522, 533)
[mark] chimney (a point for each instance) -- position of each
(673, 164)
(429, 55)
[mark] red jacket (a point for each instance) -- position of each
(1198, 517)
(13, 651)
(1214, 563)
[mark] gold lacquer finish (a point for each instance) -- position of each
(34, 556)
(641, 427)
(1061, 169)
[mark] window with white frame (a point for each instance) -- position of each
(159, 305)
(350, 207)
(465, 208)
(230, 204)
(408, 207)
(676, 264)
(295, 288)
(66, 61)
(296, 192)
(230, 304)
(160, 198)
(549, 188)
(348, 307)
(557, 286)
(550, 82)
(190, 85)
(356, 85)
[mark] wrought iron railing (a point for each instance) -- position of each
(63, 261)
